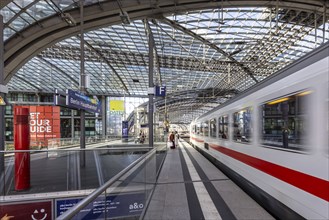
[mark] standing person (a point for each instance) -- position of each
(177, 135)
(142, 137)
(176, 138)
(172, 139)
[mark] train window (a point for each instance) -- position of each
(198, 129)
(242, 127)
(213, 127)
(327, 130)
(223, 127)
(284, 121)
(205, 126)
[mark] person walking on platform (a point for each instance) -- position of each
(171, 139)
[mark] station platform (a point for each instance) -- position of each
(190, 187)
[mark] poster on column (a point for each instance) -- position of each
(44, 125)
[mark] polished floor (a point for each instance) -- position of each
(190, 187)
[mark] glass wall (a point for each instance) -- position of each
(119, 109)
(67, 116)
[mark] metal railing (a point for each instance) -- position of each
(82, 204)
(65, 163)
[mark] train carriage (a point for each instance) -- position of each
(273, 139)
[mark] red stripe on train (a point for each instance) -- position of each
(308, 183)
(198, 140)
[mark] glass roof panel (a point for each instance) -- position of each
(211, 51)
(32, 11)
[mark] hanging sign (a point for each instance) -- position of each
(78, 100)
(160, 91)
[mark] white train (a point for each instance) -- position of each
(273, 139)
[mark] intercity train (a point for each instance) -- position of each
(273, 139)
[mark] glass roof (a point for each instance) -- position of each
(19, 14)
(212, 54)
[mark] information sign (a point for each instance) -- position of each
(78, 100)
(125, 129)
(160, 91)
(112, 206)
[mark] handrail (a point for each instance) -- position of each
(83, 203)
(90, 149)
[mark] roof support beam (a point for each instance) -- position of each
(59, 70)
(33, 39)
(105, 60)
(177, 26)
(149, 32)
(201, 62)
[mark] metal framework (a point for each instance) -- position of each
(205, 52)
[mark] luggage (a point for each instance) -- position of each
(170, 144)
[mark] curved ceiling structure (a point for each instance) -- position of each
(205, 51)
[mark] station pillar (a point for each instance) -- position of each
(22, 142)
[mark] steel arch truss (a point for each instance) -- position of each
(207, 51)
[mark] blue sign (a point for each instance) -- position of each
(160, 91)
(78, 100)
(113, 206)
(124, 129)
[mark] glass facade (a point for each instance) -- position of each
(120, 110)
(67, 116)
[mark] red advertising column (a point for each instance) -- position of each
(22, 142)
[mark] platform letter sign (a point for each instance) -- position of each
(160, 91)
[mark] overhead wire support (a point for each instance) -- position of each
(107, 63)
(181, 46)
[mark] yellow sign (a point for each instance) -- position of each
(117, 105)
(2, 102)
